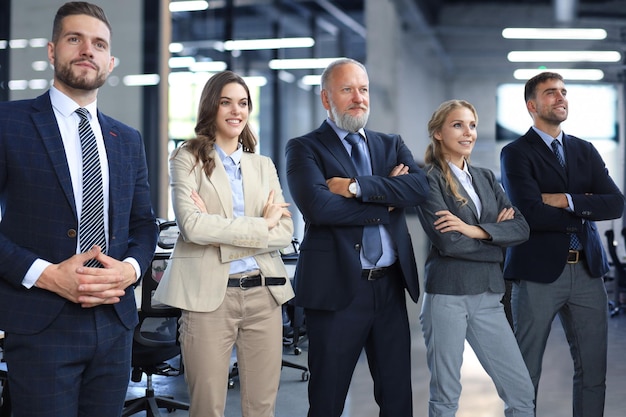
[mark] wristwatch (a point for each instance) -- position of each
(352, 187)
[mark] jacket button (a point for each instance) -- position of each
(72, 233)
(357, 247)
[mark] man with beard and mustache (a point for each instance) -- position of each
(353, 294)
(66, 300)
(562, 187)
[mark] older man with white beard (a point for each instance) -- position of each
(352, 186)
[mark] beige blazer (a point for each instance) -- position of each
(197, 273)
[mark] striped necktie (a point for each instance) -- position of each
(91, 225)
(574, 242)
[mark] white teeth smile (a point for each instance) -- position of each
(466, 142)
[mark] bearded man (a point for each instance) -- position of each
(352, 186)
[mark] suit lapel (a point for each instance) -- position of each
(327, 136)
(376, 147)
(46, 123)
(221, 183)
(539, 146)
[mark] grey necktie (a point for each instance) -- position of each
(574, 242)
(91, 225)
(372, 244)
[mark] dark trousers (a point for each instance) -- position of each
(377, 321)
(77, 367)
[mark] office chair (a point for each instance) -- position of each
(155, 340)
(5, 400)
(619, 274)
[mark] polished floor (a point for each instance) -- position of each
(478, 399)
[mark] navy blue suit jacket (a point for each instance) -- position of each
(39, 217)
(329, 266)
(530, 168)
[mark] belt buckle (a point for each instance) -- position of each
(575, 261)
(369, 274)
(242, 280)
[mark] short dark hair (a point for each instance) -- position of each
(530, 89)
(74, 8)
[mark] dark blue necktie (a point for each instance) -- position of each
(574, 242)
(372, 244)
(91, 225)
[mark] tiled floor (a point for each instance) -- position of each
(478, 399)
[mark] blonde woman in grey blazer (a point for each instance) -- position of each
(225, 272)
(469, 221)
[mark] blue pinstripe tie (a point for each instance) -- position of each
(574, 242)
(91, 226)
(372, 243)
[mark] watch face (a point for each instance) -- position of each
(352, 188)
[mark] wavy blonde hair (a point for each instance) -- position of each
(434, 152)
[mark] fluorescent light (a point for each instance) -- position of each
(564, 56)
(567, 73)
(18, 85)
(312, 80)
(38, 84)
(141, 79)
(553, 33)
(18, 43)
(3, 44)
(286, 77)
(176, 47)
(181, 61)
(188, 6)
(255, 81)
(39, 65)
(306, 63)
(208, 66)
(275, 43)
(38, 42)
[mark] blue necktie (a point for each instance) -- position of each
(372, 244)
(91, 225)
(574, 242)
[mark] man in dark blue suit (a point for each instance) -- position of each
(68, 326)
(561, 185)
(352, 298)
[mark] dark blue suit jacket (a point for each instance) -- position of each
(39, 217)
(329, 267)
(530, 168)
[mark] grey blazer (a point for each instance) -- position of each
(457, 264)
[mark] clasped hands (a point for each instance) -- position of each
(87, 286)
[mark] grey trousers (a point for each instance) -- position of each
(581, 303)
(447, 321)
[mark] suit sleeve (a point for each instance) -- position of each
(309, 165)
(456, 244)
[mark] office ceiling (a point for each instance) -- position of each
(465, 35)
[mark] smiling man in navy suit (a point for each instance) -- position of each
(562, 187)
(69, 325)
(354, 297)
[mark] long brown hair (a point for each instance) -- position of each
(204, 142)
(434, 153)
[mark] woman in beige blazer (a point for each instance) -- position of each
(225, 272)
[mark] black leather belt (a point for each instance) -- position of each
(574, 256)
(374, 273)
(255, 281)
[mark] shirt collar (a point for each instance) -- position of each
(66, 106)
(343, 133)
(235, 156)
(547, 139)
(458, 171)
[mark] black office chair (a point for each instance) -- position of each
(5, 399)
(155, 341)
(619, 274)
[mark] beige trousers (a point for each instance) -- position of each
(251, 320)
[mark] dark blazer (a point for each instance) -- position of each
(457, 264)
(39, 217)
(329, 267)
(530, 168)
